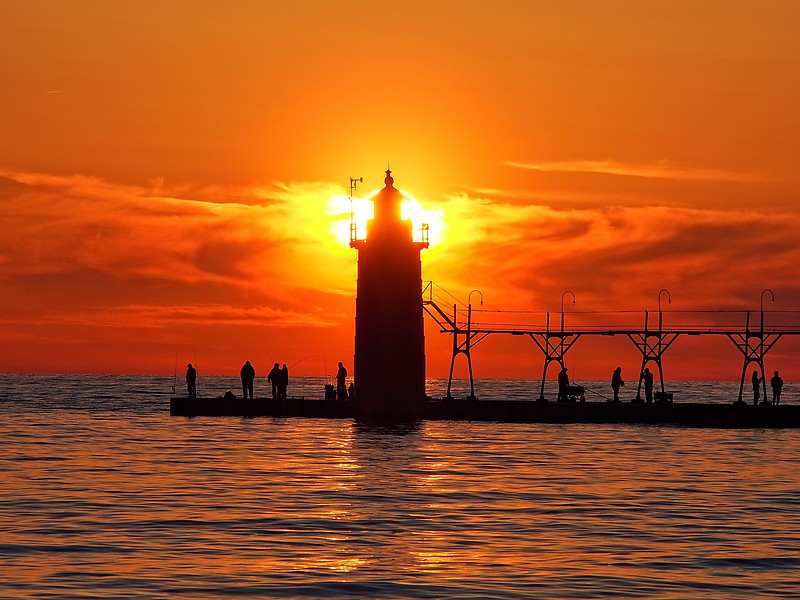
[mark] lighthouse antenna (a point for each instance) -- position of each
(353, 228)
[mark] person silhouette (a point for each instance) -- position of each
(341, 382)
(647, 376)
(777, 386)
(283, 381)
(274, 378)
(616, 382)
(756, 381)
(563, 384)
(191, 380)
(248, 374)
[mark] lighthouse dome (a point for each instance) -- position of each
(388, 201)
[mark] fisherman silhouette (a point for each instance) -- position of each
(756, 380)
(777, 386)
(191, 380)
(341, 382)
(616, 382)
(647, 376)
(283, 381)
(274, 378)
(563, 384)
(248, 374)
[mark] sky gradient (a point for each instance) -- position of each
(174, 176)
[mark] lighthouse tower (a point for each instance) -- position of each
(389, 363)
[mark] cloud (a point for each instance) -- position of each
(151, 316)
(614, 257)
(62, 224)
(89, 262)
(659, 170)
(77, 241)
(714, 262)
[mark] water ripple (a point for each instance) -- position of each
(113, 498)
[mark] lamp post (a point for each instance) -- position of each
(469, 298)
(469, 315)
(772, 294)
(562, 307)
(469, 311)
(469, 341)
(761, 340)
(669, 301)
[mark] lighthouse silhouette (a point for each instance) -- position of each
(389, 362)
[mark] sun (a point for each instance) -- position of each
(361, 210)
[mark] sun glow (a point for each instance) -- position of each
(362, 210)
(434, 218)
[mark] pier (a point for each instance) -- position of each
(729, 416)
(753, 339)
(554, 340)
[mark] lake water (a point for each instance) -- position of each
(104, 495)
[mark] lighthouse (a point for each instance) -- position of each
(389, 362)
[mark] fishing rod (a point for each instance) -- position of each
(585, 389)
(597, 394)
(298, 362)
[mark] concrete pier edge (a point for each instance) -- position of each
(732, 415)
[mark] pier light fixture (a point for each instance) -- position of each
(469, 298)
(562, 298)
(771, 293)
(669, 298)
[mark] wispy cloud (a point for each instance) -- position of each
(78, 241)
(659, 170)
(619, 257)
(245, 239)
(89, 262)
(149, 316)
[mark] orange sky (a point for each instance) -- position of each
(172, 174)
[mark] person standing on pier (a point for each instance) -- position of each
(191, 380)
(647, 376)
(777, 386)
(274, 378)
(283, 381)
(341, 383)
(616, 382)
(756, 387)
(563, 384)
(248, 374)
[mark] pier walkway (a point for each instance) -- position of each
(729, 416)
